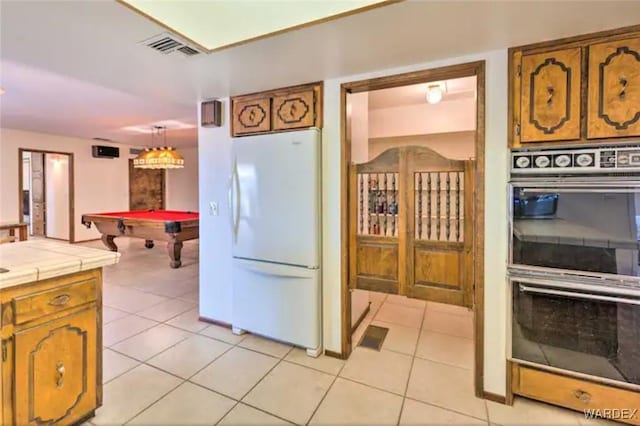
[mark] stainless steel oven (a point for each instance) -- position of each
(574, 261)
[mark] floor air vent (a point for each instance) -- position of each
(373, 337)
(168, 43)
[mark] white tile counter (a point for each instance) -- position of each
(36, 260)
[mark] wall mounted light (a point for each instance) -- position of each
(434, 93)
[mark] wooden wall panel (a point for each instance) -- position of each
(441, 268)
(146, 188)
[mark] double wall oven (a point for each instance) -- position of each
(574, 261)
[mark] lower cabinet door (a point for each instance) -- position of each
(55, 370)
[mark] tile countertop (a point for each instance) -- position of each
(36, 260)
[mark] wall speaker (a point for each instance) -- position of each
(99, 151)
(211, 114)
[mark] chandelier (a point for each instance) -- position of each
(159, 157)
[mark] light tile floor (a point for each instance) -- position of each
(162, 366)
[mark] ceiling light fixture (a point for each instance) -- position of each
(1, 90)
(434, 93)
(163, 157)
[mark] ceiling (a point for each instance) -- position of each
(257, 17)
(79, 68)
(415, 94)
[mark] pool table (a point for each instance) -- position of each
(162, 225)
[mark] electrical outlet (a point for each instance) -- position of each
(213, 208)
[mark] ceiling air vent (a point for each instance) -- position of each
(168, 43)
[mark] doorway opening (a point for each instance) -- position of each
(46, 195)
(413, 213)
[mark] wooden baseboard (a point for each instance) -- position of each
(355, 326)
(494, 397)
(333, 354)
(214, 322)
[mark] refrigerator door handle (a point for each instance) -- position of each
(236, 217)
(230, 200)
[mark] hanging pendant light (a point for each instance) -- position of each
(163, 157)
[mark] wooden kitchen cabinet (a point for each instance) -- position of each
(51, 350)
(550, 96)
(277, 110)
(295, 110)
(576, 90)
(251, 116)
(614, 89)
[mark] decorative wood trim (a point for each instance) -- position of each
(72, 226)
(494, 397)
(454, 71)
(260, 37)
(361, 318)
(334, 354)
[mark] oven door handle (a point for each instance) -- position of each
(602, 298)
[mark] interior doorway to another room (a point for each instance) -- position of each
(46, 193)
(413, 147)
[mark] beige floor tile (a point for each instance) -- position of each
(167, 287)
(384, 370)
(151, 342)
(189, 404)
(111, 314)
(129, 394)
(189, 321)
(115, 364)
(445, 386)
(265, 346)
(124, 328)
(243, 415)
(323, 363)
(399, 314)
(446, 323)
(449, 309)
(406, 301)
(223, 333)
(290, 391)
(416, 413)
(189, 356)
(349, 403)
(192, 296)
(129, 299)
(446, 349)
(235, 372)
(527, 412)
(379, 298)
(399, 338)
(359, 332)
(166, 310)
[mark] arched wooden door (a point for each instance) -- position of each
(411, 225)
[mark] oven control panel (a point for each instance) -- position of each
(574, 161)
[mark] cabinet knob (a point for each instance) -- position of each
(551, 91)
(623, 88)
(60, 370)
(583, 396)
(60, 300)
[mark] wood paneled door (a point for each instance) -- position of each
(38, 212)
(146, 188)
(411, 225)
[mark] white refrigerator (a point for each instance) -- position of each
(274, 199)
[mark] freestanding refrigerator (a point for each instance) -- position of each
(274, 198)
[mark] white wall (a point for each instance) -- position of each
(358, 126)
(446, 116)
(100, 184)
(214, 148)
(182, 184)
(56, 178)
(215, 242)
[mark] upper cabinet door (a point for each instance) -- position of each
(251, 116)
(294, 110)
(614, 89)
(550, 101)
